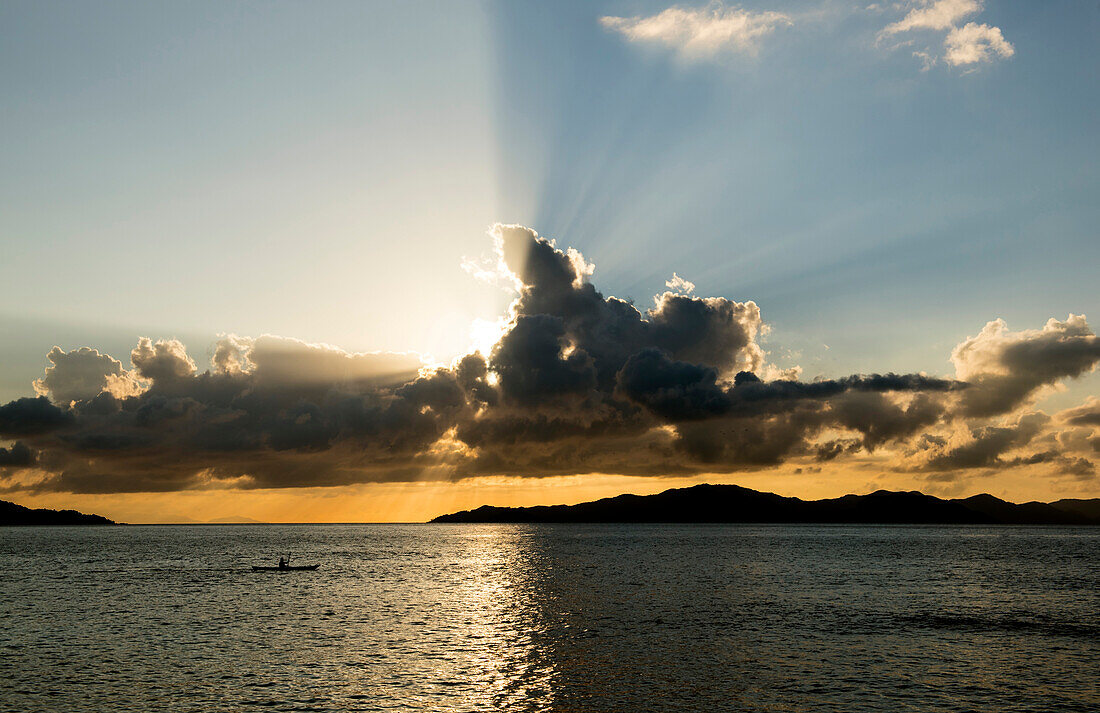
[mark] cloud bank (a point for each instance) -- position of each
(578, 382)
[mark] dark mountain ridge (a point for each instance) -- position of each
(12, 514)
(732, 503)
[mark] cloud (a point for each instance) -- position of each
(534, 366)
(19, 454)
(974, 43)
(939, 15)
(577, 382)
(231, 354)
(282, 361)
(82, 374)
(680, 285)
(707, 33)
(928, 60)
(970, 44)
(700, 33)
(881, 418)
(1006, 369)
(163, 362)
(1087, 414)
(28, 417)
(1080, 468)
(987, 444)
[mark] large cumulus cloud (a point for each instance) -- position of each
(1006, 368)
(578, 382)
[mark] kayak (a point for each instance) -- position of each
(304, 567)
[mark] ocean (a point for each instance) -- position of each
(550, 618)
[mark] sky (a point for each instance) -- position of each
(378, 261)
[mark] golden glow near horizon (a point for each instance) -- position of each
(421, 501)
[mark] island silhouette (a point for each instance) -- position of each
(12, 514)
(734, 504)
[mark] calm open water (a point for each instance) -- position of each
(555, 618)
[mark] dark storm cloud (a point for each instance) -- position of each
(29, 417)
(19, 454)
(714, 331)
(675, 390)
(682, 391)
(578, 383)
(533, 367)
(881, 420)
(830, 450)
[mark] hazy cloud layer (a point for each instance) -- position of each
(578, 382)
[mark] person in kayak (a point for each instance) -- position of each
(283, 562)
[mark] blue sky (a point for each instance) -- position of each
(322, 172)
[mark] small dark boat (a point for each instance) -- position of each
(286, 568)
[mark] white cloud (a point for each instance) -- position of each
(700, 33)
(971, 44)
(679, 284)
(975, 43)
(939, 15)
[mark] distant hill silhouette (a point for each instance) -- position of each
(732, 503)
(1088, 508)
(12, 514)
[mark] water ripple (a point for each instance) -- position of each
(550, 618)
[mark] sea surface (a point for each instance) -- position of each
(550, 618)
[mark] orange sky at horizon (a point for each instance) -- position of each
(421, 501)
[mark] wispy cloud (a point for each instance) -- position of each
(928, 60)
(701, 33)
(939, 15)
